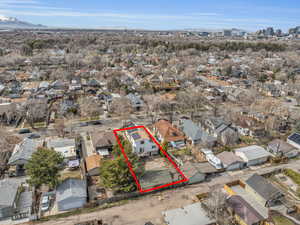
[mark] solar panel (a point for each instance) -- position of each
(135, 136)
(295, 138)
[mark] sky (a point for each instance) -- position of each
(250, 15)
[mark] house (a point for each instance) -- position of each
(192, 131)
(142, 143)
(71, 194)
(166, 132)
(103, 142)
(224, 132)
(192, 214)
(294, 140)
(230, 161)
(281, 148)
(193, 172)
(22, 153)
(92, 164)
(243, 212)
(136, 102)
(253, 155)
(8, 198)
(196, 134)
(65, 146)
(263, 191)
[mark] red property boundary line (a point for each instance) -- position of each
(185, 179)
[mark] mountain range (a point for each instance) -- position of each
(14, 23)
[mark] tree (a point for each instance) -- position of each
(60, 127)
(36, 111)
(43, 167)
(89, 107)
(115, 173)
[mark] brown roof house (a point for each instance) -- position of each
(92, 164)
(103, 142)
(230, 161)
(166, 132)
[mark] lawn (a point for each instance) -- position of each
(281, 220)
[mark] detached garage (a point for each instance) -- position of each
(71, 194)
(253, 155)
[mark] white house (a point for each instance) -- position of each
(141, 142)
(66, 147)
(253, 155)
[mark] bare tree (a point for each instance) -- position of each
(90, 107)
(36, 111)
(122, 107)
(60, 127)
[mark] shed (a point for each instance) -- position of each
(71, 194)
(294, 139)
(93, 165)
(193, 172)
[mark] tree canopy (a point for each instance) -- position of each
(43, 167)
(115, 173)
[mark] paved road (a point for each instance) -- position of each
(150, 208)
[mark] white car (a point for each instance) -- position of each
(45, 203)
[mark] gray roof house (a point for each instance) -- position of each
(196, 134)
(71, 194)
(135, 100)
(8, 197)
(192, 214)
(191, 130)
(263, 191)
(281, 148)
(22, 153)
(253, 155)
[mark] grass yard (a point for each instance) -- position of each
(281, 220)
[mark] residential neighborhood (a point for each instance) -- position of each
(140, 127)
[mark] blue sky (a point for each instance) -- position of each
(157, 14)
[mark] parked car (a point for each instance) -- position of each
(45, 203)
(83, 124)
(95, 122)
(24, 131)
(34, 136)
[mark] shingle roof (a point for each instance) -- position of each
(60, 142)
(264, 188)
(168, 132)
(229, 158)
(244, 210)
(281, 146)
(103, 139)
(8, 192)
(92, 162)
(24, 150)
(191, 130)
(71, 188)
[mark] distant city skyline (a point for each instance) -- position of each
(157, 14)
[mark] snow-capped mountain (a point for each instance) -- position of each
(13, 23)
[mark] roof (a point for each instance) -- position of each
(92, 162)
(253, 152)
(191, 169)
(229, 158)
(71, 188)
(192, 214)
(244, 210)
(295, 137)
(8, 192)
(135, 99)
(262, 187)
(60, 142)
(191, 130)
(103, 139)
(280, 145)
(168, 132)
(24, 150)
